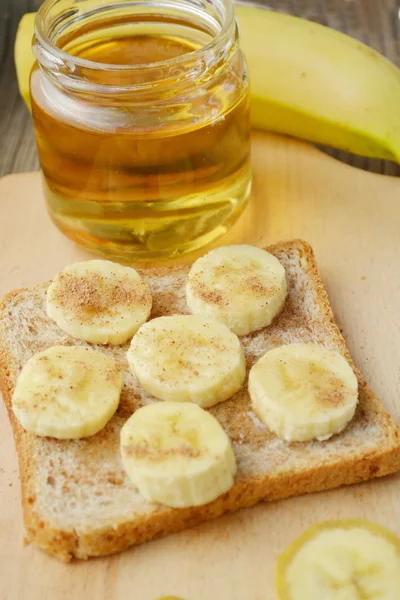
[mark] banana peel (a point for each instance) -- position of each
(307, 81)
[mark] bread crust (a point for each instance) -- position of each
(356, 464)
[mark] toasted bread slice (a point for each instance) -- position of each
(77, 499)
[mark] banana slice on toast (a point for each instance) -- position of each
(303, 392)
(184, 358)
(99, 301)
(242, 286)
(67, 392)
(177, 454)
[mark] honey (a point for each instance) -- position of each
(143, 130)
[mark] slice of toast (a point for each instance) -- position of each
(77, 499)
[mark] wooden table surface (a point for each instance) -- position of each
(375, 22)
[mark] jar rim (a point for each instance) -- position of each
(220, 39)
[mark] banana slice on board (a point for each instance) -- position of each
(99, 301)
(303, 392)
(242, 286)
(177, 454)
(184, 358)
(341, 560)
(67, 392)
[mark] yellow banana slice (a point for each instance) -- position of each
(67, 392)
(341, 560)
(242, 286)
(303, 392)
(99, 301)
(177, 454)
(184, 358)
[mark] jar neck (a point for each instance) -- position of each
(64, 27)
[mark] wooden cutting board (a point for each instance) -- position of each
(352, 218)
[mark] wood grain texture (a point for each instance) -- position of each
(17, 141)
(374, 22)
(352, 219)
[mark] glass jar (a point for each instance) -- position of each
(141, 115)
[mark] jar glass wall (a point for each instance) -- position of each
(141, 114)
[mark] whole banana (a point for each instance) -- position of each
(315, 83)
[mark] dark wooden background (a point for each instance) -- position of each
(375, 22)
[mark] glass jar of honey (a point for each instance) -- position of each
(141, 115)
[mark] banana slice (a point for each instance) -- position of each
(188, 359)
(177, 454)
(99, 301)
(303, 391)
(341, 560)
(241, 286)
(67, 392)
